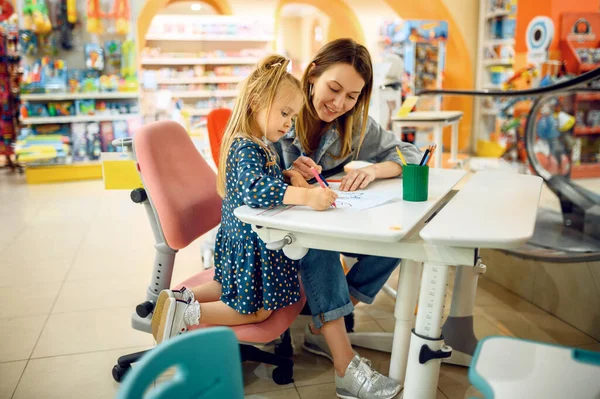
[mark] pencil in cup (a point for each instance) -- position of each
(415, 183)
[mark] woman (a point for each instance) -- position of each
(332, 129)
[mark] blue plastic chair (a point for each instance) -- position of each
(208, 365)
(513, 368)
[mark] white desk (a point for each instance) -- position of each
(437, 120)
(483, 217)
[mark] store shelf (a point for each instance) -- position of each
(585, 171)
(41, 120)
(500, 42)
(209, 38)
(586, 131)
(588, 67)
(498, 62)
(490, 112)
(77, 96)
(204, 93)
(199, 61)
(497, 13)
(198, 112)
(200, 79)
(587, 97)
(63, 173)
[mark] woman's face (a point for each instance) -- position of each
(336, 91)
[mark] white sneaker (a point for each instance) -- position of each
(168, 320)
(182, 294)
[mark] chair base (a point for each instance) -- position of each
(283, 374)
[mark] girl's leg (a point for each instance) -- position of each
(207, 292)
(219, 313)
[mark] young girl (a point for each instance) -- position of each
(250, 280)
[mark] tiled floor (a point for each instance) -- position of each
(75, 260)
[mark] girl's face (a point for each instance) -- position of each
(285, 108)
(336, 91)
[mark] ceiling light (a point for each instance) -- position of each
(196, 7)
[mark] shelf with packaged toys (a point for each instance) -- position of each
(421, 45)
(193, 64)
(79, 88)
(495, 61)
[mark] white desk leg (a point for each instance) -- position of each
(439, 141)
(426, 349)
(406, 300)
(458, 328)
(454, 143)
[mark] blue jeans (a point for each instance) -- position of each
(328, 290)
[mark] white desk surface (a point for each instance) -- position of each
(492, 210)
(375, 224)
(514, 369)
(429, 116)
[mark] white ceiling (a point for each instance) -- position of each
(184, 8)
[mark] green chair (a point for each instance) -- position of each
(207, 362)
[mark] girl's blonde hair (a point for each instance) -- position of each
(308, 124)
(257, 92)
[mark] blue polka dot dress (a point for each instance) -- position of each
(252, 276)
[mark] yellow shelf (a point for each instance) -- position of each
(63, 173)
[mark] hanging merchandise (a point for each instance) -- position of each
(71, 11)
(35, 17)
(6, 10)
(64, 25)
(119, 13)
(28, 42)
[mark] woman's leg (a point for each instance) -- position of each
(329, 301)
(368, 276)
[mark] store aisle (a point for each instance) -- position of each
(75, 261)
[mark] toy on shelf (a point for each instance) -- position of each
(85, 107)
(6, 10)
(580, 43)
(94, 56)
(28, 42)
(71, 11)
(60, 108)
(78, 142)
(112, 53)
(550, 128)
(93, 146)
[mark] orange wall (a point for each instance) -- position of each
(458, 67)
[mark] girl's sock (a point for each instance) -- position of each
(192, 314)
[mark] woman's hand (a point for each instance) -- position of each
(358, 179)
(303, 165)
(295, 178)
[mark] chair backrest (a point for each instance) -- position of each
(216, 121)
(208, 365)
(182, 187)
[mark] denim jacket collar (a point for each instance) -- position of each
(327, 140)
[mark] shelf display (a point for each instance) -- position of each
(579, 41)
(495, 62)
(193, 64)
(68, 100)
(9, 92)
(422, 47)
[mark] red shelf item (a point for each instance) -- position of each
(578, 31)
(585, 171)
(587, 97)
(584, 131)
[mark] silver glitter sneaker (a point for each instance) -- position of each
(362, 382)
(163, 304)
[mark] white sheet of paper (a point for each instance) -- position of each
(361, 200)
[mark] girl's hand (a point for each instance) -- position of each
(296, 179)
(320, 198)
(357, 179)
(303, 165)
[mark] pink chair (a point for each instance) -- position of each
(182, 204)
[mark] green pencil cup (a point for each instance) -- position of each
(415, 183)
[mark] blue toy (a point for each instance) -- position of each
(85, 107)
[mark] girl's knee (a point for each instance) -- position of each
(261, 315)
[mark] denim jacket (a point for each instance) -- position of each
(378, 146)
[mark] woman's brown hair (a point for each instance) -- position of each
(308, 124)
